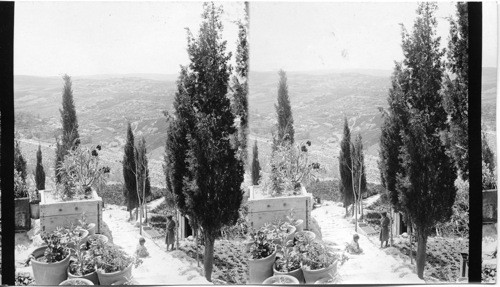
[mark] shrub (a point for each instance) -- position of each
(112, 194)
(326, 190)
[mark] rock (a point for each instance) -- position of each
(404, 235)
(190, 238)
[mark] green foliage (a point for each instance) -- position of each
(240, 89)
(319, 256)
(20, 188)
(345, 166)
(489, 177)
(255, 165)
(110, 258)
(202, 165)
(458, 225)
(456, 88)
(286, 132)
(19, 162)
(326, 190)
(70, 138)
(359, 169)
(263, 241)
(290, 168)
(142, 170)
(81, 170)
(39, 172)
(426, 189)
(130, 184)
(487, 154)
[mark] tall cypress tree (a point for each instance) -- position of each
(456, 88)
(130, 184)
(285, 128)
(211, 186)
(390, 164)
(427, 190)
(487, 153)
(345, 166)
(39, 172)
(70, 138)
(19, 162)
(240, 86)
(255, 165)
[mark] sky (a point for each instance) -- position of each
(297, 36)
(89, 38)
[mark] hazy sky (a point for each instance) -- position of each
(87, 38)
(318, 36)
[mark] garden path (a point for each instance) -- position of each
(374, 266)
(160, 268)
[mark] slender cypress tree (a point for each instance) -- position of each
(70, 138)
(345, 166)
(39, 172)
(130, 184)
(211, 186)
(285, 128)
(19, 162)
(487, 153)
(240, 87)
(427, 190)
(456, 89)
(255, 165)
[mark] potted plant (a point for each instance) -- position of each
(21, 203)
(90, 227)
(328, 280)
(50, 262)
(298, 223)
(82, 266)
(262, 254)
(94, 240)
(289, 263)
(281, 279)
(112, 263)
(318, 262)
(35, 204)
(77, 281)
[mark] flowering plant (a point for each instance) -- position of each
(81, 171)
(289, 168)
(20, 188)
(263, 245)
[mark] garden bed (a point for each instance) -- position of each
(230, 259)
(443, 256)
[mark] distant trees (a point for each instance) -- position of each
(70, 138)
(39, 172)
(19, 162)
(426, 188)
(143, 184)
(240, 87)
(130, 184)
(358, 175)
(255, 165)
(456, 88)
(205, 172)
(285, 130)
(345, 167)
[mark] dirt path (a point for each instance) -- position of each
(160, 268)
(374, 266)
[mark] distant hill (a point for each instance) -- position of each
(320, 101)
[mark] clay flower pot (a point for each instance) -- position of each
(48, 273)
(261, 269)
(281, 279)
(299, 225)
(91, 228)
(92, 277)
(113, 277)
(311, 276)
(297, 273)
(77, 281)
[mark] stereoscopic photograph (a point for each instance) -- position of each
(171, 143)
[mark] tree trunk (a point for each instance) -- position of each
(209, 256)
(410, 229)
(136, 213)
(421, 253)
(197, 248)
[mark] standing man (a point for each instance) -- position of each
(384, 229)
(170, 237)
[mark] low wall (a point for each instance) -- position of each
(62, 213)
(267, 209)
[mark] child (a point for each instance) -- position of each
(353, 247)
(141, 250)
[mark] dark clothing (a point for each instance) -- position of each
(169, 239)
(384, 231)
